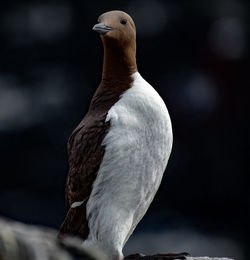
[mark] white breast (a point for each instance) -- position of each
(137, 149)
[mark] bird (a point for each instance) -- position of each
(119, 151)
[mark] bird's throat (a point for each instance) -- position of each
(118, 63)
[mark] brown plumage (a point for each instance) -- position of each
(121, 194)
(85, 150)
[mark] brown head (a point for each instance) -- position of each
(118, 34)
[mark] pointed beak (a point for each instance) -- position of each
(101, 28)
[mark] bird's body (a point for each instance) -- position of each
(118, 153)
(137, 148)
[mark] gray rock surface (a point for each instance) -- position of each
(27, 242)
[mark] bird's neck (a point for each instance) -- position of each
(118, 63)
(118, 67)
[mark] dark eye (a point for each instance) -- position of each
(123, 21)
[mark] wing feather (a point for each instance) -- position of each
(85, 153)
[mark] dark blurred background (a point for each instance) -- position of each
(194, 53)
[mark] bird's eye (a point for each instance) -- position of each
(123, 21)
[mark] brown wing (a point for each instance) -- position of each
(85, 155)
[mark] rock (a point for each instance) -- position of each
(19, 241)
(27, 242)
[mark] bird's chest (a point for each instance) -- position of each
(139, 142)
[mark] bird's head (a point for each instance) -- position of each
(116, 28)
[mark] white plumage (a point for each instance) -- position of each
(137, 149)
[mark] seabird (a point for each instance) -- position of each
(119, 151)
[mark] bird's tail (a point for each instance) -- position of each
(75, 222)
